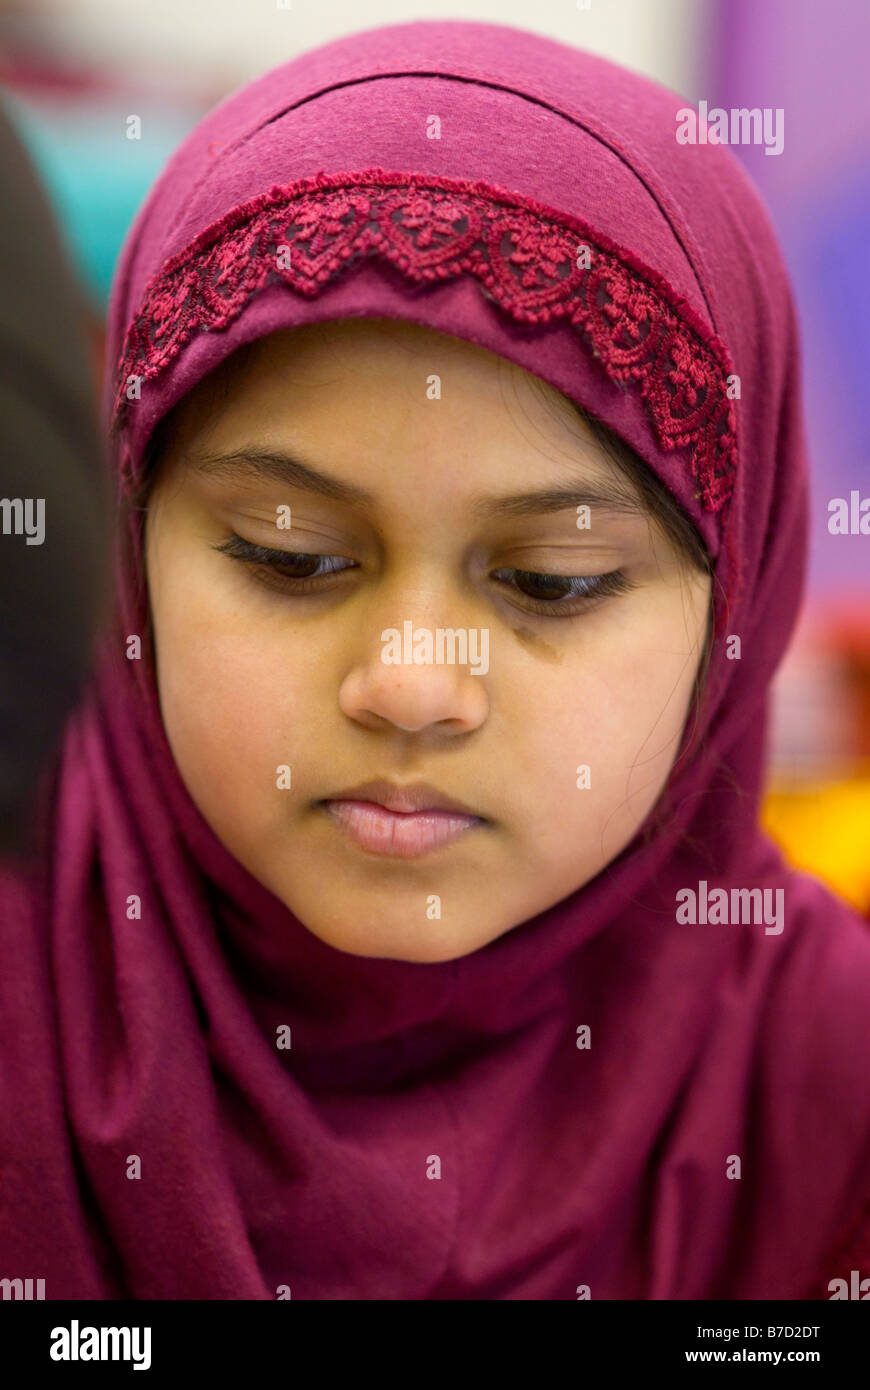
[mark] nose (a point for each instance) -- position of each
(426, 682)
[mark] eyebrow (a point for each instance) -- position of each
(281, 466)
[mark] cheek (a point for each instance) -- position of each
(617, 709)
(230, 702)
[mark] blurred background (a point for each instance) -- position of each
(73, 71)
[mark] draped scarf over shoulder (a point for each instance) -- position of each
(556, 222)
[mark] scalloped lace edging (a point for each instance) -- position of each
(538, 265)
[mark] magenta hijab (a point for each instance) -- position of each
(605, 1171)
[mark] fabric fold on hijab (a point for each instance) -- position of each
(268, 1172)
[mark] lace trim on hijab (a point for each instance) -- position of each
(539, 265)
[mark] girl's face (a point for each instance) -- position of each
(403, 460)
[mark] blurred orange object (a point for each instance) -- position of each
(824, 828)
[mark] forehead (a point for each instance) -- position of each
(371, 385)
(394, 357)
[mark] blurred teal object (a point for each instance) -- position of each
(96, 177)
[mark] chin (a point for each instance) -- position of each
(400, 945)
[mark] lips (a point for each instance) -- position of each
(400, 822)
(416, 796)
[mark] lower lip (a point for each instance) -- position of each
(399, 834)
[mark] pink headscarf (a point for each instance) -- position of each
(305, 1170)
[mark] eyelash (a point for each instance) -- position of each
(267, 566)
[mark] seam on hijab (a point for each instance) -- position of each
(693, 255)
(699, 438)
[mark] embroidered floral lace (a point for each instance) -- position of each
(538, 265)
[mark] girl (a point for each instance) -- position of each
(399, 924)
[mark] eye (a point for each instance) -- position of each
(552, 594)
(290, 570)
